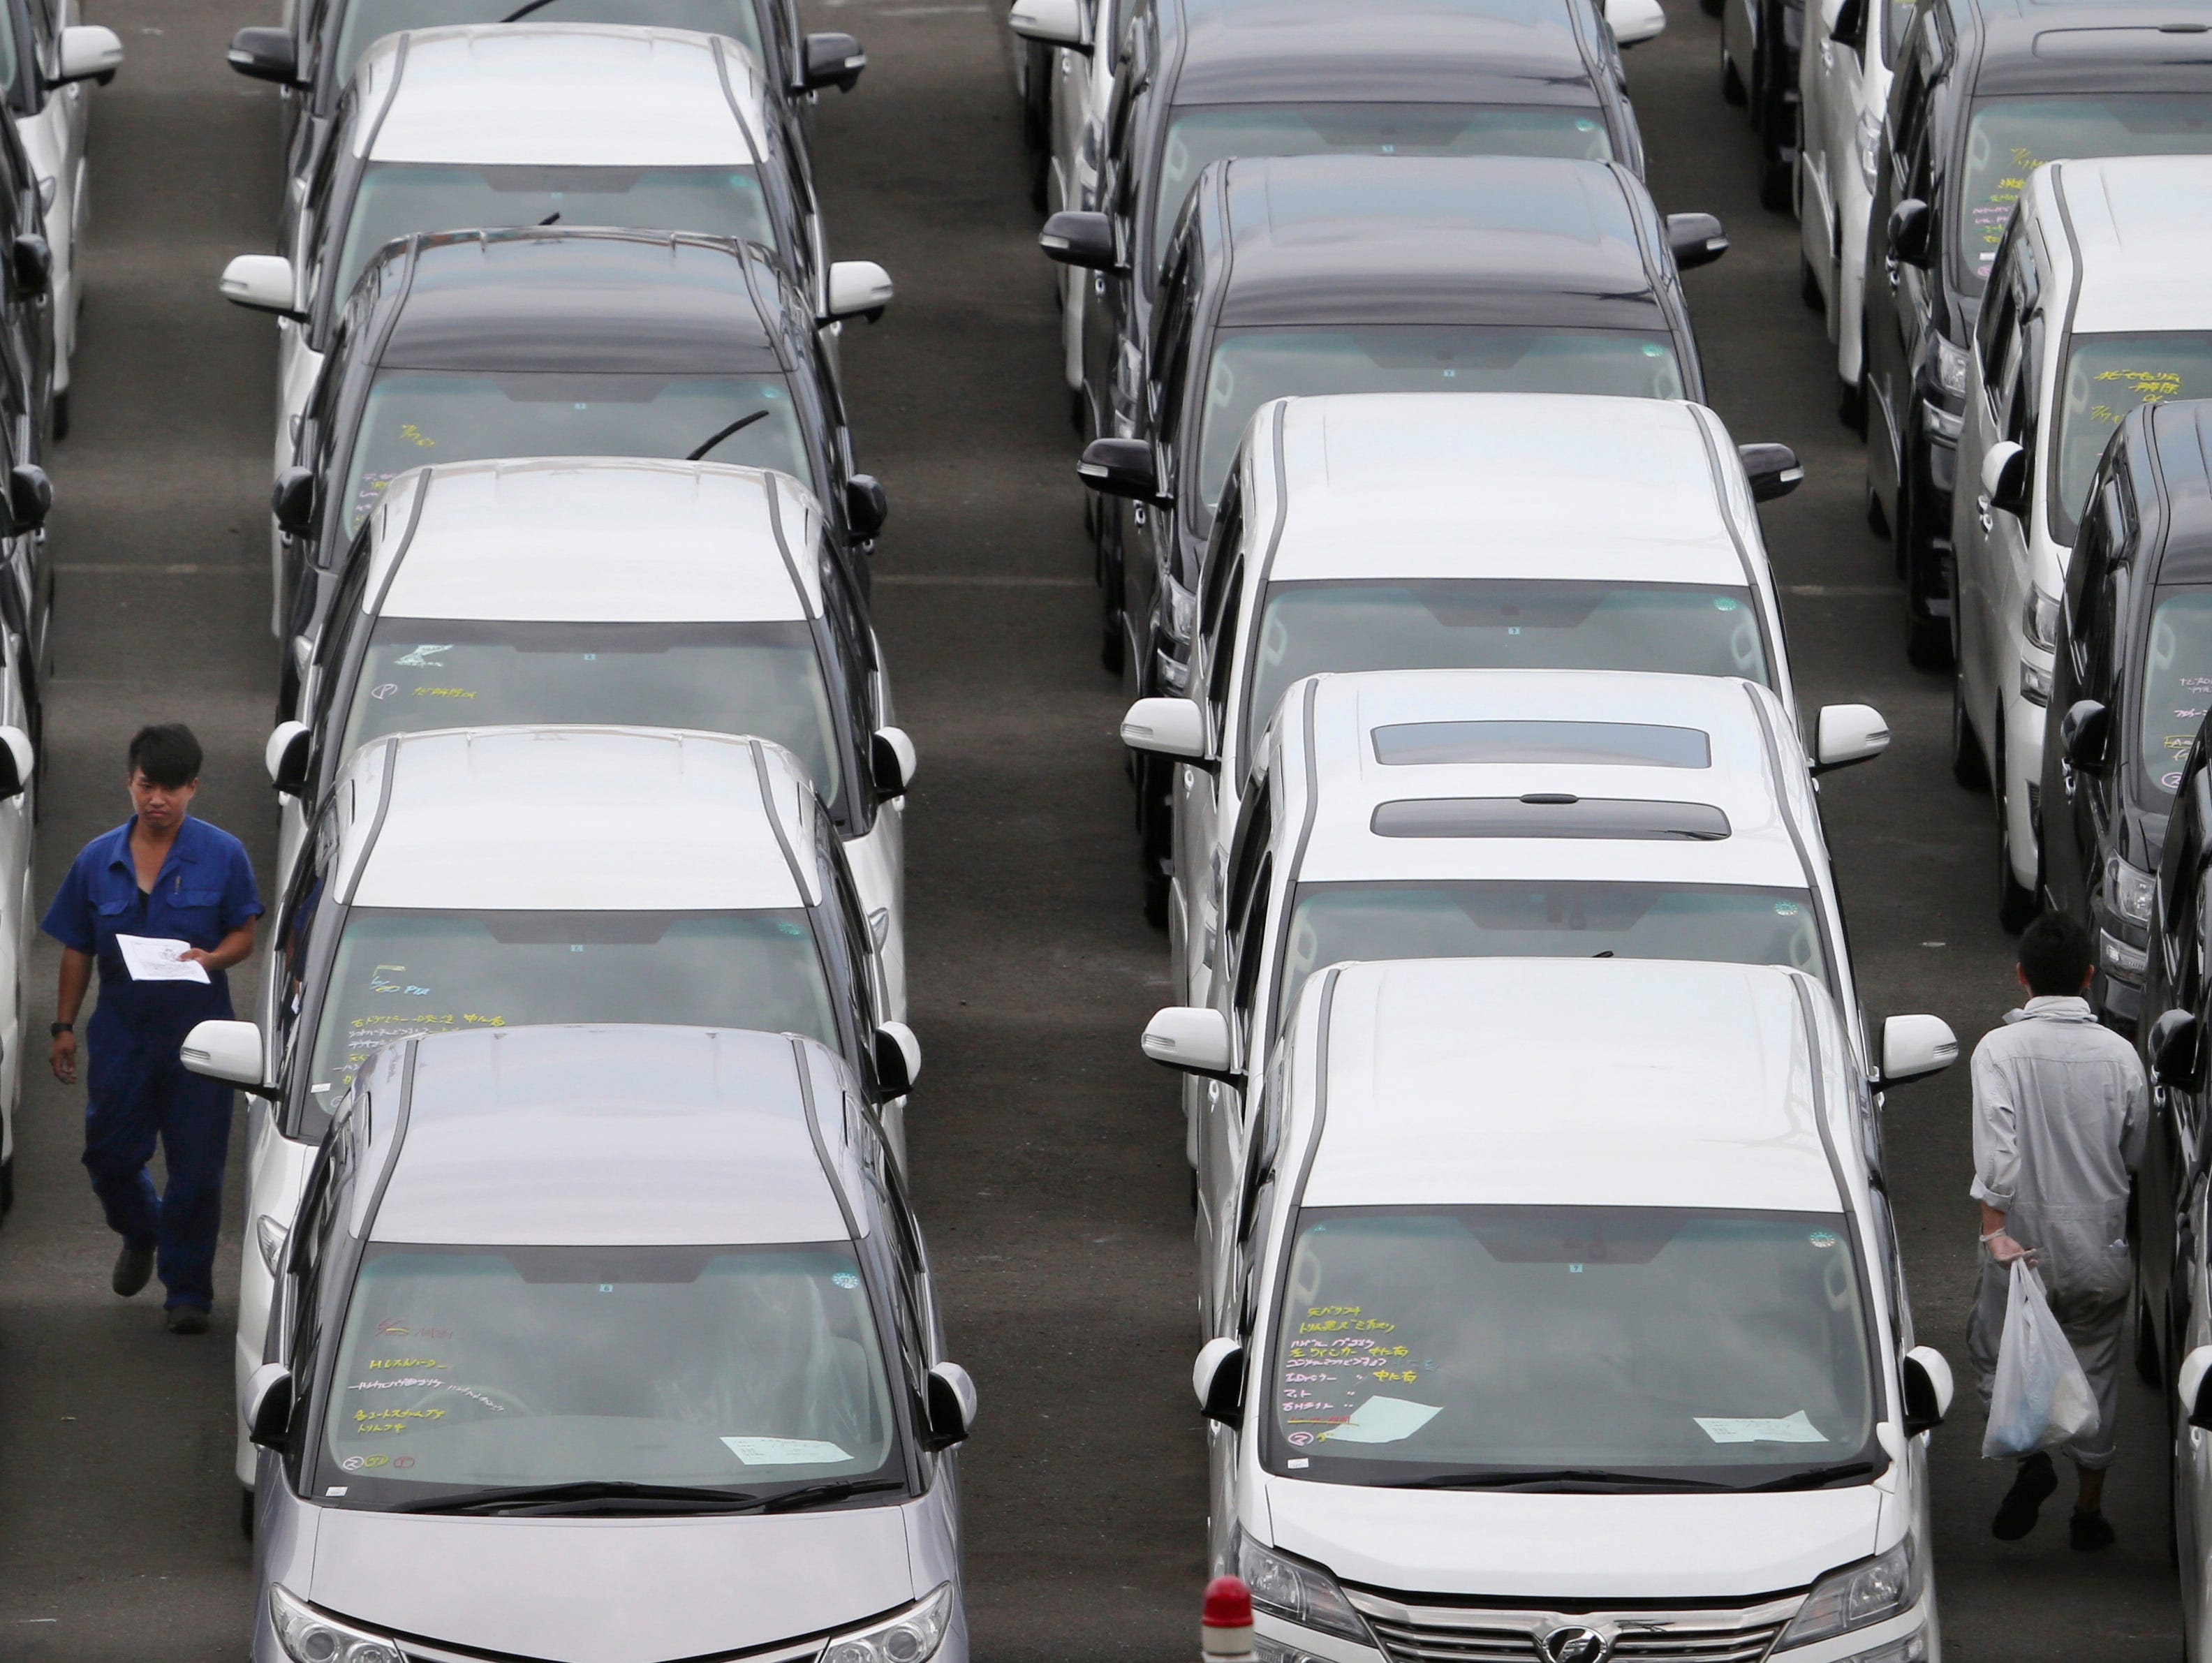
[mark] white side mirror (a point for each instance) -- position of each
(1052, 23)
(227, 1051)
(892, 760)
(18, 763)
(1913, 1045)
(897, 1059)
(2191, 1386)
(950, 1405)
(1191, 1038)
(263, 281)
(1166, 727)
(859, 289)
(1217, 1379)
(266, 1405)
(1634, 21)
(285, 756)
(1995, 461)
(1843, 734)
(1928, 1389)
(88, 53)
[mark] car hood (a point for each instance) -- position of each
(1576, 1546)
(621, 1590)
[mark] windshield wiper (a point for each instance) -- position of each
(1594, 1475)
(791, 1500)
(592, 1495)
(552, 218)
(521, 12)
(737, 425)
(1813, 1478)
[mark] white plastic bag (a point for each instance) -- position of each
(2040, 1397)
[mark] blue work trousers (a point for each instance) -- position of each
(138, 1093)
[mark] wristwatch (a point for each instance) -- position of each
(55, 1030)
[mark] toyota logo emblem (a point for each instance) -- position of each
(1574, 1646)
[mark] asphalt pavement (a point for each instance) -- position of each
(1047, 1153)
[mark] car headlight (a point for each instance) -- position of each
(1179, 610)
(2035, 683)
(2128, 891)
(1950, 368)
(1305, 1594)
(2038, 619)
(912, 1636)
(309, 1636)
(1873, 1591)
(1869, 147)
(270, 1236)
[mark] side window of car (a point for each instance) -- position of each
(1246, 942)
(296, 940)
(1251, 843)
(2085, 585)
(854, 643)
(852, 959)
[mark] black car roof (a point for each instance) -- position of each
(2179, 438)
(2093, 46)
(1436, 239)
(583, 301)
(1398, 52)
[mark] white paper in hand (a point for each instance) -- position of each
(154, 958)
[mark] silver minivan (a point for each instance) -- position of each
(606, 1345)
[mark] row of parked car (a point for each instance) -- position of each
(1534, 1114)
(577, 1154)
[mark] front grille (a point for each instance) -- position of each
(1443, 1634)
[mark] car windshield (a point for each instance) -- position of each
(761, 678)
(1201, 135)
(367, 22)
(2107, 376)
(1251, 366)
(1468, 623)
(399, 198)
(1421, 1344)
(2009, 138)
(2177, 685)
(469, 1369)
(418, 416)
(397, 974)
(1512, 918)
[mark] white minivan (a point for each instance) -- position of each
(1419, 531)
(1570, 1323)
(2097, 304)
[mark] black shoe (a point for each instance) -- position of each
(2030, 1491)
(134, 1268)
(2088, 1533)
(187, 1319)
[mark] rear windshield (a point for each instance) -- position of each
(367, 22)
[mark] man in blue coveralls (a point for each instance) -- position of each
(164, 876)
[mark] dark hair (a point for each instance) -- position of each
(166, 754)
(2054, 956)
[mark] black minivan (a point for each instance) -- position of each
(2131, 680)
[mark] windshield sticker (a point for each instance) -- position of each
(420, 659)
(1384, 1420)
(1795, 1428)
(784, 1451)
(846, 1280)
(1822, 1238)
(380, 981)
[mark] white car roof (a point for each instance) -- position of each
(1476, 485)
(1741, 782)
(581, 540)
(577, 94)
(2143, 227)
(1588, 1082)
(576, 818)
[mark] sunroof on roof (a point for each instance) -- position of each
(1550, 813)
(1635, 744)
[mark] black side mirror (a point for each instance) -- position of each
(33, 264)
(2173, 1048)
(830, 60)
(295, 500)
(1695, 239)
(1121, 467)
(866, 507)
(30, 498)
(265, 54)
(1912, 233)
(2084, 733)
(1773, 469)
(1084, 240)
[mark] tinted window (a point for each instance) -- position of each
(763, 678)
(1200, 135)
(415, 417)
(2105, 377)
(2008, 138)
(2177, 684)
(396, 198)
(466, 1370)
(1656, 1340)
(1642, 744)
(367, 22)
(1251, 366)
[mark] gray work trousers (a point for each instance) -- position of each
(2093, 1323)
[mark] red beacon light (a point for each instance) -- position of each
(1225, 1632)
